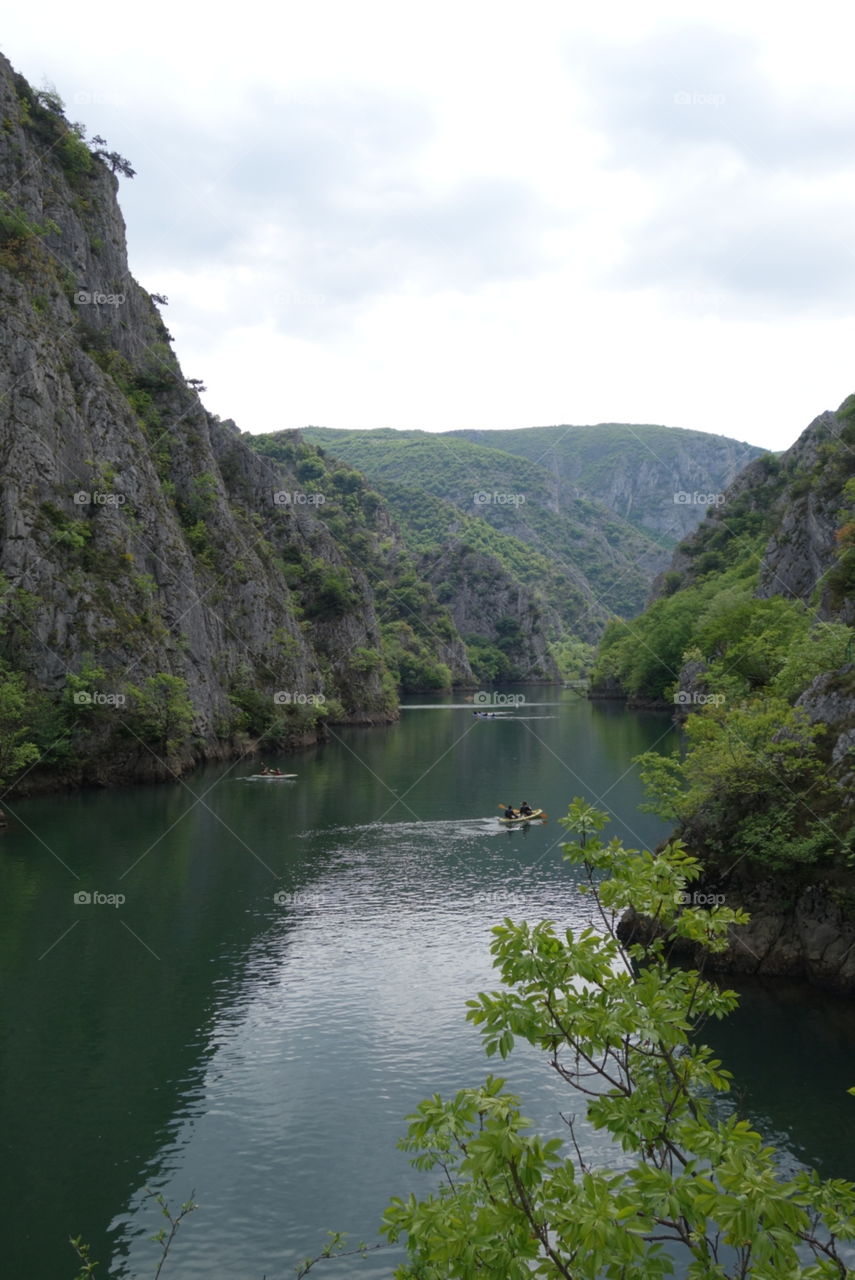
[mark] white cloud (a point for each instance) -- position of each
(471, 215)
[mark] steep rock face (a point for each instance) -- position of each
(753, 495)
(791, 522)
(658, 478)
(669, 498)
(830, 700)
(419, 641)
(804, 545)
(139, 535)
(487, 604)
(797, 500)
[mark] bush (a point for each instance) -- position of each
(621, 1029)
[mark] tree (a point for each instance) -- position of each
(752, 784)
(15, 713)
(620, 1028)
(112, 158)
(161, 713)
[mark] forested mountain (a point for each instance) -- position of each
(634, 470)
(588, 514)
(751, 638)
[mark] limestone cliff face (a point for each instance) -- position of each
(488, 604)
(656, 478)
(805, 544)
(139, 535)
(671, 496)
(799, 500)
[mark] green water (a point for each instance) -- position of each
(205, 1036)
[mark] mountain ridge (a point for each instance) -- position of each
(613, 559)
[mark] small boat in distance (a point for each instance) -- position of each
(270, 777)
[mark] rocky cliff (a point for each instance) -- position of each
(661, 479)
(752, 626)
(487, 604)
(168, 593)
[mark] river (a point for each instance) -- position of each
(285, 978)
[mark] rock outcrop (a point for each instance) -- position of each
(488, 605)
(798, 929)
(141, 537)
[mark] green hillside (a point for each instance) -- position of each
(751, 635)
(635, 469)
(605, 562)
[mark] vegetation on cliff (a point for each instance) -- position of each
(167, 593)
(580, 554)
(739, 641)
(634, 470)
(415, 626)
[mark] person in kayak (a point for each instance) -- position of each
(525, 808)
(511, 813)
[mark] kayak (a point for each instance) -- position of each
(270, 777)
(536, 815)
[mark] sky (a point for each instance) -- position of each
(482, 214)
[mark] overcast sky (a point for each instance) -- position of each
(482, 214)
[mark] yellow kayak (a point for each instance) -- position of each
(536, 815)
